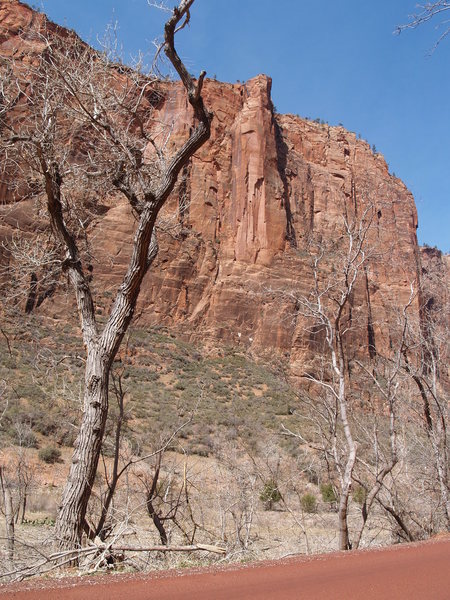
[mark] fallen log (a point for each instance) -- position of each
(193, 548)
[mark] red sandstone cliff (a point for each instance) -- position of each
(260, 189)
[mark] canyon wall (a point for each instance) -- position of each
(235, 240)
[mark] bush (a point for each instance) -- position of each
(308, 503)
(50, 455)
(25, 439)
(359, 494)
(328, 493)
(270, 494)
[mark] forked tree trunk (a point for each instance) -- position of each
(72, 512)
(103, 347)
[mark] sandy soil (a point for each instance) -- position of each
(408, 572)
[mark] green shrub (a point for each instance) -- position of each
(328, 493)
(359, 494)
(50, 455)
(270, 494)
(308, 503)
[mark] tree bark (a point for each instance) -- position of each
(72, 511)
(9, 515)
(344, 540)
(23, 508)
(112, 484)
(346, 479)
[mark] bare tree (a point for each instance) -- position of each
(80, 124)
(409, 395)
(237, 501)
(168, 488)
(425, 354)
(326, 310)
(426, 12)
(385, 375)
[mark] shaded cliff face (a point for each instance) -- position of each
(246, 210)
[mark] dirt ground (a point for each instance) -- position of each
(407, 572)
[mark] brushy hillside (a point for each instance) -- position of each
(165, 381)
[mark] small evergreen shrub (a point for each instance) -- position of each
(50, 455)
(270, 494)
(327, 491)
(359, 494)
(308, 503)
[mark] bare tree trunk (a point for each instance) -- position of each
(398, 519)
(368, 502)
(24, 508)
(112, 484)
(156, 520)
(346, 478)
(153, 514)
(344, 540)
(72, 511)
(9, 515)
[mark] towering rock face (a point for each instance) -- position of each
(244, 215)
(251, 202)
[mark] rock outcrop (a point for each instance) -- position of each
(246, 211)
(261, 189)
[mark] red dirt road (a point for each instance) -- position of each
(409, 572)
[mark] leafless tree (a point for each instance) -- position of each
(326, 310)
(237, 502)
(407, 474)
(23, 472)
(385, 374)
(426, 12)
(168, 487)
(425, 354)
(80, 125)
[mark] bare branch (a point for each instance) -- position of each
(429, 11)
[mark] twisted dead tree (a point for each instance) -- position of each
(78, 125)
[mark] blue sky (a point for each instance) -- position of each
(333, 59)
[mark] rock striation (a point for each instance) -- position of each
(245, 212)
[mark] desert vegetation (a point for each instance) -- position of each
(205, 460)
(70, 92)
(129, 446)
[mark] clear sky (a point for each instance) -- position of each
(333, 59)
